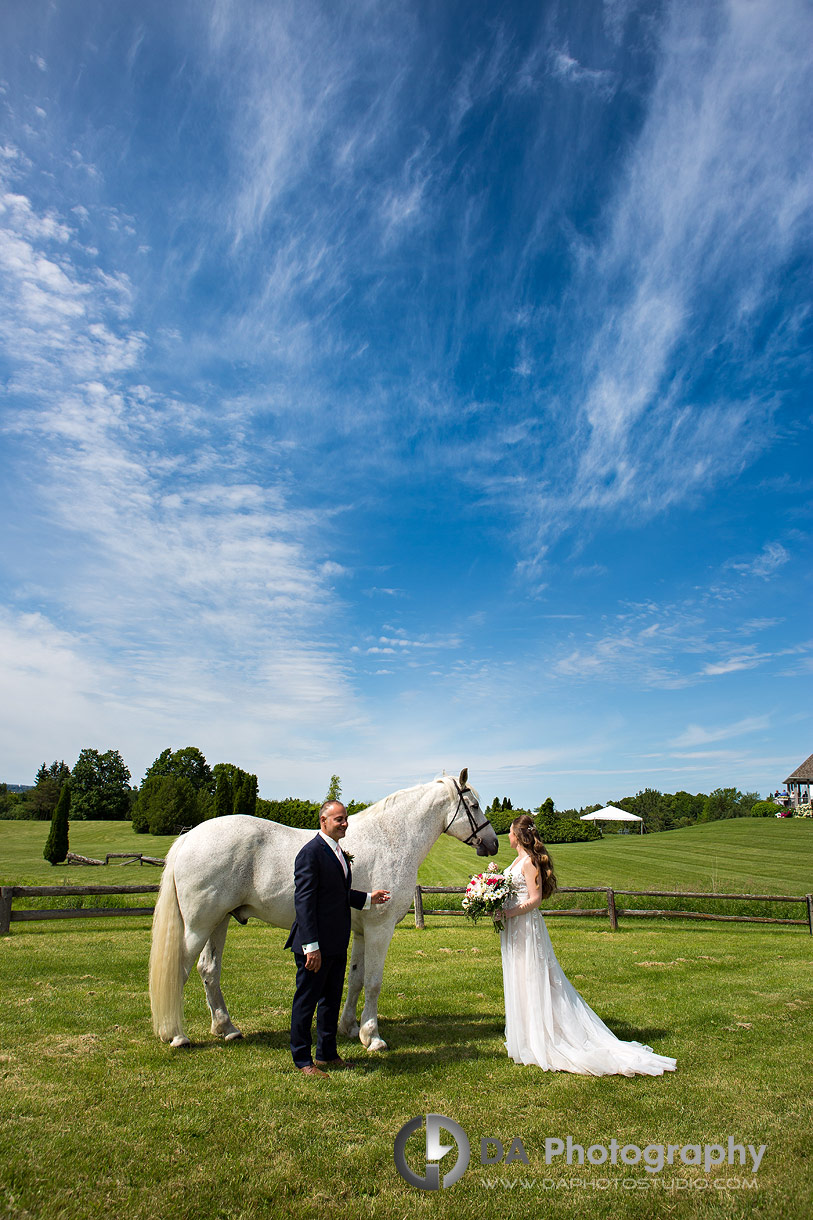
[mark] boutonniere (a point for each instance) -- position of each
(349, 857)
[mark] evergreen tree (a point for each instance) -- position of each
(56, 845)
(237, 793)
(250, 788)
(40, 801)
(244, 787)
(224, 797)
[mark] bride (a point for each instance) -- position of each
(546, 1020)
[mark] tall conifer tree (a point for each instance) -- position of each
(56, 845)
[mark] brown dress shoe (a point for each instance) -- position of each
(332, 1063)
(310, 1069)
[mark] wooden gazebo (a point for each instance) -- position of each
(800, 783)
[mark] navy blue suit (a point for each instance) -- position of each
(322, 901)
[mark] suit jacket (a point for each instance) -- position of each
(322, 900)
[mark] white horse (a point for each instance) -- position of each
(244, 866)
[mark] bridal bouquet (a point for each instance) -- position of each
(486, 893)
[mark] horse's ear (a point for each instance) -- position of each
(464, 777)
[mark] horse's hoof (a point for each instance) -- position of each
(377, 1044)
(180, 1040)
(349, 1031)
(234, 1036)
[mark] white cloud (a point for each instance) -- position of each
(735, 664)
(566, 68)
(772, 557)
(695, 735)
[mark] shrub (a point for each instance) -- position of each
(554, 829)
(290, 812)
(764, 809)
(501, 819)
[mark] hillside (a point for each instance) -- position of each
(743, 855)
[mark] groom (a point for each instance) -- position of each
(319, 939)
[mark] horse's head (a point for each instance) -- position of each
(468, 822)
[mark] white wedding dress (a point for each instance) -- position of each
(546, 1020)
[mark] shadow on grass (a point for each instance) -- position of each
(441, 1038)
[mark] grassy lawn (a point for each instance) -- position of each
(21, 861)
(100, 1119)
(743, 855)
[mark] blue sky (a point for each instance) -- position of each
(397, 387)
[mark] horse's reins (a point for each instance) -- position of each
(475, 829)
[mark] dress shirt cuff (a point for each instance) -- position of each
(314, 948)
(368, 902)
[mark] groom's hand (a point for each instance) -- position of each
(379, 897)
(313, 961)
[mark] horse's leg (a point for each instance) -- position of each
(377, 944)
(348, 1023)
(209, 964)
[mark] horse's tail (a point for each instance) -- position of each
(167, 976)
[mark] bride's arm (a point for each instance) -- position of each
(534, 884)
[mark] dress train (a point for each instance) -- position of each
(547, 1022)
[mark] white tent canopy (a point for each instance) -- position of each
(611, 814)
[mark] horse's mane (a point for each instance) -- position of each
(387, 801)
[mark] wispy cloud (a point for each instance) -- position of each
(712, 204)
(695, 735)
(772, 557)
(652, 646)
(401, 645)
(181, 563)
(565, 67)
(735, 664)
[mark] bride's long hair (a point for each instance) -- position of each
(528, 837)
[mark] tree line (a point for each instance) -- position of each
(180, 789)
(659, 811)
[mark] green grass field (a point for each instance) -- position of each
(744, 855)
(100, 1119)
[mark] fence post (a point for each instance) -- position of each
(419, 923)
(810, 912)
(611, 910)
(5, 910)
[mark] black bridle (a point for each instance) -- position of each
(470, 812)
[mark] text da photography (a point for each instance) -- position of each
(421, 1159)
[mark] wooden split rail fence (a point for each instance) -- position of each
(9, 892)
(611, 911)
(9, 916)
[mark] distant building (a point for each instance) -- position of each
(800, 782)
